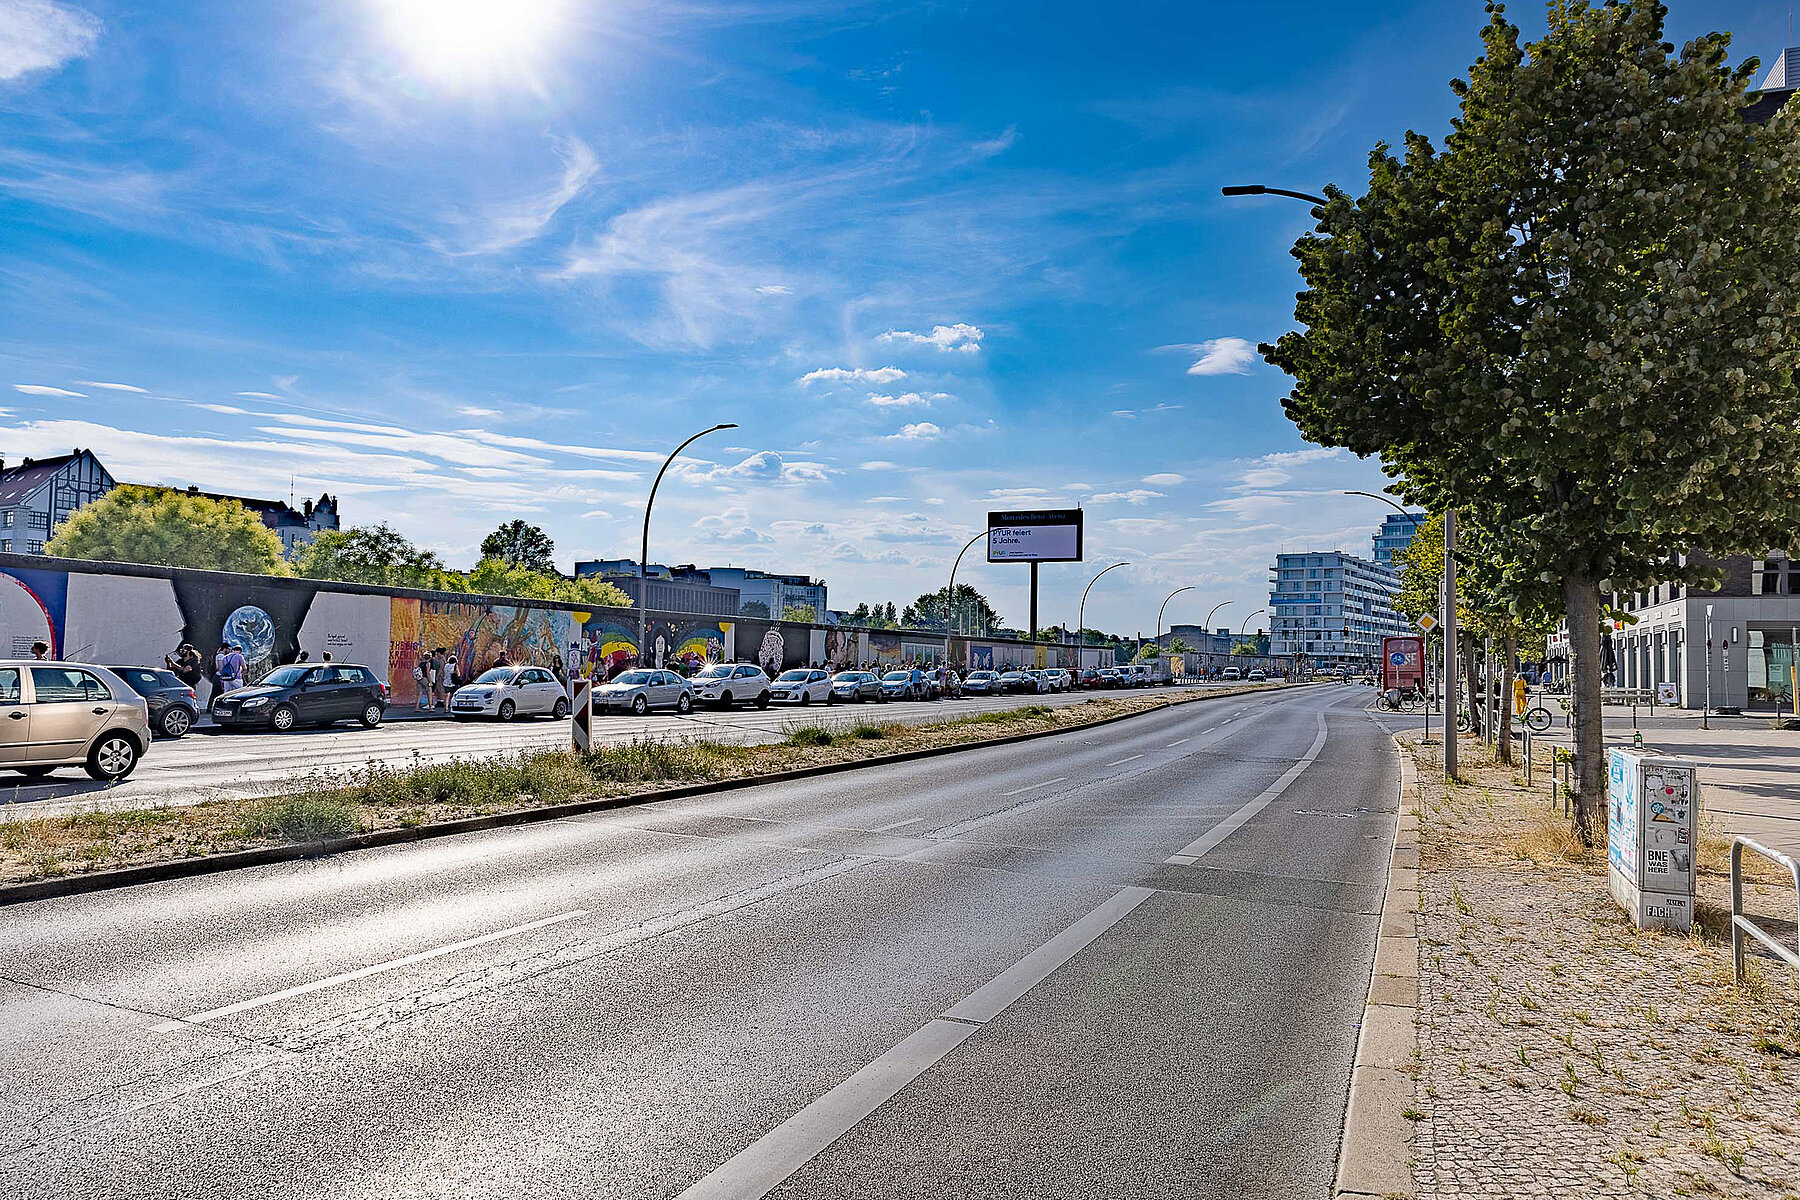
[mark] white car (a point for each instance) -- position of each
(1231, 673)
(507, 692)
(1257, 676)
(1059, 679)
(803, 686)
(641, 690)
(724, 684)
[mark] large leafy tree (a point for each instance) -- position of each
(971, 612)
(521, 545)
(803, 613)
(164, 527)
(496, 576)
(1579, 314)
(374, 554)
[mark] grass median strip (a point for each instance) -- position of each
(323, 805)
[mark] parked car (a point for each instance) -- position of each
(1110, 677)
(903, 685)
(508, 692)
(1257, 676)
(724, 684)
(58, 714)
(172, 704)
(1015, 681)
(803, 686)
(1059, 679)
(857, 686)
(305, 694)
(1090, 678)
(1231, 673)
(982, 683)
(642, 690)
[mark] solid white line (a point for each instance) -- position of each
(760, 1167)
(1182, 742)
(364, 972)
(896, 825)
(1119, 762)
(1192, 852)
(1033, 786)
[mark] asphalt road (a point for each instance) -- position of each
(210, 764)
(1119, 962)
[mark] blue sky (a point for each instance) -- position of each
(933, 258)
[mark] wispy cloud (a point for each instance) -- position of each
(1294, 458)
(774, 289)
(906, 399)
(877, 375)
(261, 395)
(1138, 496)
(920, 431)
(41, 35)
(964, 339)
(1165, 479)
(111, 387)
(1218, 356)
(44, 389)
(507, 225)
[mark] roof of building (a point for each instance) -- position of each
(17, 483)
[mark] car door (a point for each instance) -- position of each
(311, 697)
(68, 707)
(543, 691)
(669, 689)
(15, 718)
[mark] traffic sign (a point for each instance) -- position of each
(1427, 622)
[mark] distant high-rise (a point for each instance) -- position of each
(1396, 534)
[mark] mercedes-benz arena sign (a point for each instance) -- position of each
(1047, 535)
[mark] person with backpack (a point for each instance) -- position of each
(421, 673)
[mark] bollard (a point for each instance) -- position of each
(1528, 758)
(581, 717)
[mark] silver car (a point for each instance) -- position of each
(642, 690)
(62, 714)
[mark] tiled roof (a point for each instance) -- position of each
(17, 483)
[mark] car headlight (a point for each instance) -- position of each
(256, 702)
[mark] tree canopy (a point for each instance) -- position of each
(521, 545)
(804, 613)
(499, 577)
(1578, 317)
(971, 613)
(168, 528)
(373, 554)
(753, 608)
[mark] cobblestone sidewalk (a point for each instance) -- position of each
(1564, 1053)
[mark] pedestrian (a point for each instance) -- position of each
(40, 650)
(325, 657)
(422, 684)
(303, 657)
(440, 661)
(231, 668)
(185, 663)
(449, 676)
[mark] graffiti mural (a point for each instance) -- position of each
(684, 646)
(32, 604)
(477, 636)
(981, 658)
(262, 621)
(840, 648)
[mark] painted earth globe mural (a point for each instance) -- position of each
(253, 631)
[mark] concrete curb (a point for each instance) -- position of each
(1376, 1156)
(207, 864)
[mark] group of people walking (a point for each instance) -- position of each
(435, 677)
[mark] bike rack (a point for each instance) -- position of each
(1741, 924)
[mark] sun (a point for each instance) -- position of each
(460, 42)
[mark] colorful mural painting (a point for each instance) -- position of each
(684, 646)
(478, 636)
(32, 604)
(261, 620)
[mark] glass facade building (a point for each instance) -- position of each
(1396, 534)
(1332, 609)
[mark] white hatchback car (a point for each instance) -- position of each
(508, 692)
(803, 686)
(724, 684)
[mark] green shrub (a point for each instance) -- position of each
(811, 735)
(300, 818)
(868, 731)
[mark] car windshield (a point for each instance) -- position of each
(719, 671)
(849, 676)
(982, 675)
(286, 676)
(897, 676)
(633, 678)
(794, 676)
(497, 675)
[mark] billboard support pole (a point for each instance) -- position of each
(1034, 581)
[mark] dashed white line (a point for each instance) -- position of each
(1030, 787)
(1121, 761)
(1182, 742)
(897, 825)
(364, 972)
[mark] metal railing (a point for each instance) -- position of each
(1741, 924)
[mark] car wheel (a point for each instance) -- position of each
(559, 710)
(508, 710)
(805, 699)
(725, 700)
(830, 697)
(684, 704)
(639, 705)
(371, 715)
(176, 721)
(762, 701)
(282, 719)
(112, 757)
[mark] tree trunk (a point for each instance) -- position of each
(1581, 597)
(1472, 686)
(1509, 653)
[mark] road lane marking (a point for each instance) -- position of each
(364, 972)
(1182, 742)
(1034, 786)
(760, 1167)
(896, 825)
(1122, 761)
(1193, 851)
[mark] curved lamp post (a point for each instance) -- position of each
(950, 595)
(1446, 588)
(1159, 613)
(1246, 623)
(1257, 189)
(1081, 614)
(644, 557)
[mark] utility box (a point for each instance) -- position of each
(1652, 831)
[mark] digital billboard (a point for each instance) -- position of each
(1042, 535)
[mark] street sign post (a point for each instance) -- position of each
(581, 717)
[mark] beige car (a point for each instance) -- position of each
(62, 714)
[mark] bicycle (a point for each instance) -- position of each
(1536, 718)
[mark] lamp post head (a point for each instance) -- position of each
(1252, 189)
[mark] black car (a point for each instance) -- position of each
(173, 706)
(305, 694)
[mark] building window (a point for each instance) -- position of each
(33, 547)
(5, 547)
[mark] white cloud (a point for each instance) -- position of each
(42, 389)
(965, 339)
(520, 222)
(111, 387)
(1137, 496)
(261, 395)
(1265, 477)
(919, 431)
(880, 465)
(1223, 356)
(41, 35)
(1294, 458)
(774, 289)
(766, 466)
(468, 410)
(906, 399)
(1125, 413)
(730, 527)
(596, 514)
(885, 500)
(1165, 479)
(228, 409)
(877, 375)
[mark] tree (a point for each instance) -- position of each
(753, 608)
(1245, 647)
(521, 545)
(805, 614)
(1149, 652)
(1579, 315)
(971, 612)
(498, 577)
(374, 554)
(1179, 646)
(890, 616)
(168, 528)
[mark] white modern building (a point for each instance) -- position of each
(1395, 535)
(1332, 609)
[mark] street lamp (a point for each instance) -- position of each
(950, 596)
(1259, 612)
(644, 556)
(1257, 189)
(1165, 604)
(1081, 615)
